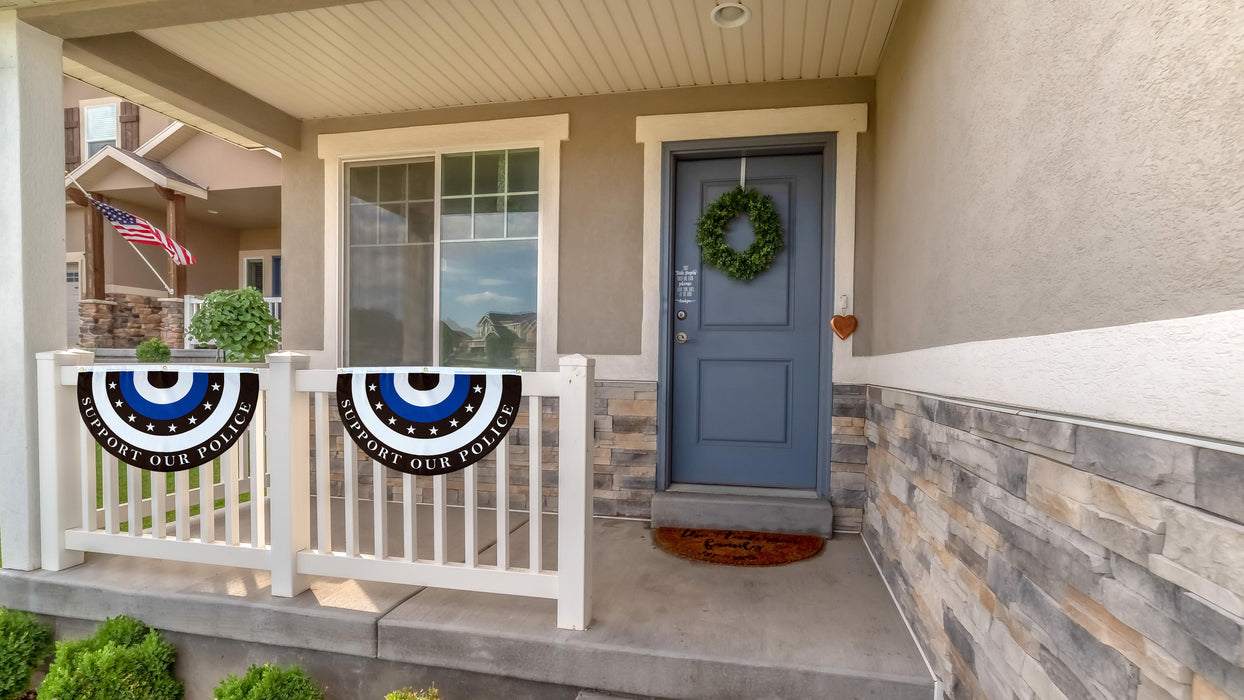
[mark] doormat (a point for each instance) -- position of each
(737, 547)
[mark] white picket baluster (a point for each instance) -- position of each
(440, 531)
(111, 497)
(470, 484)
(379, 509)
(134, 500)
(229, 477)
(410, 527)
(258, 486)
(323, 485)
(503, 506)
(90, 517)
(159, 504)
(352, 499)
(181, 480)
(207, 503)
(535, 492)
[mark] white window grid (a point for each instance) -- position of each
(436, 242)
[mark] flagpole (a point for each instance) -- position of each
(136, 251)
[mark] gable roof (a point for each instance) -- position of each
(153, 171)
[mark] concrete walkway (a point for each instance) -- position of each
(662, 626)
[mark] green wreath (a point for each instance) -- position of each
(710, 233)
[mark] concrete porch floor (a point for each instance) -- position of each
(662, 627)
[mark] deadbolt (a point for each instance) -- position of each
(681, 314)
(681, 337)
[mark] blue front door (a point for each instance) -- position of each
(744, 380)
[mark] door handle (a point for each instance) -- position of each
(680, 337)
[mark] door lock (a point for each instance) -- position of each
(681, 314)
(681, 337)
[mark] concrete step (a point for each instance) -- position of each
(738, 511)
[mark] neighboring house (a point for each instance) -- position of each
(127, 154)
(1031, 209)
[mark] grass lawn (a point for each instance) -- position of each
(147, 476)
(124, 493)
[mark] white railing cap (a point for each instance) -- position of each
(576, 361)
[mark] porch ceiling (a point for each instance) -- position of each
(399, 55)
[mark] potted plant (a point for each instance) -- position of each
(239, 323)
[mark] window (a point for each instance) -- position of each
(444, 278)
(254, 273)
(99, 126)
(276, 276)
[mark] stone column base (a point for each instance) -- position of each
(97, 319)
(173, 328)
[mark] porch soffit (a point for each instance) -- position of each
(400, 55)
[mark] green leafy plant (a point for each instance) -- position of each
(153, 350)
(711, 233)
(269, 682)
(24, 644)
(412, 694)
(239, 322)
(125, 660)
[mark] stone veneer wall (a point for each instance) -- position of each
(624, 469)
(624, 477)
(848, 455)
(125, 320)
(1043, 559)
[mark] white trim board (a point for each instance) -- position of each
(543, 132)
(1183, 375)
(654, 131)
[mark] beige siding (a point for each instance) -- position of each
(600, 302)
(1047, 167)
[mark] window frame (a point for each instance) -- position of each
(409, 143)
(263, 255)
(82, 121)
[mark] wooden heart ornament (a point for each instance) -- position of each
(843, 326)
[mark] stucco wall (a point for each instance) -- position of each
(600, 300)
(150, 122)
(1046, 167)
(215, 249)
(259, 239)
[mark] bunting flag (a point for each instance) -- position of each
(169, 419)
(136, 229)
(432, 422)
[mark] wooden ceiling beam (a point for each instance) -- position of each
(151, 69)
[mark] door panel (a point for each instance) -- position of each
(744, 387)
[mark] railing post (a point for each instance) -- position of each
(60, 456)
(288, 444)
(576, 443)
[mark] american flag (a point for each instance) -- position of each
(138, 230)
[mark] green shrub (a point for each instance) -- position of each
(239, 323)
(125, 660)
(154, 350)
(269, 682)
(24, 644)
(412, 694)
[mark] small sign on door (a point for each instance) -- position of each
(684, 285)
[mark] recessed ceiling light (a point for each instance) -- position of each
(729, 15)
(212, 211)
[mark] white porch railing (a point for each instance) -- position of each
(193, 304)
(270, 466)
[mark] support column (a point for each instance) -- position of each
(175, 227)
(93, 249)
(32, 265)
